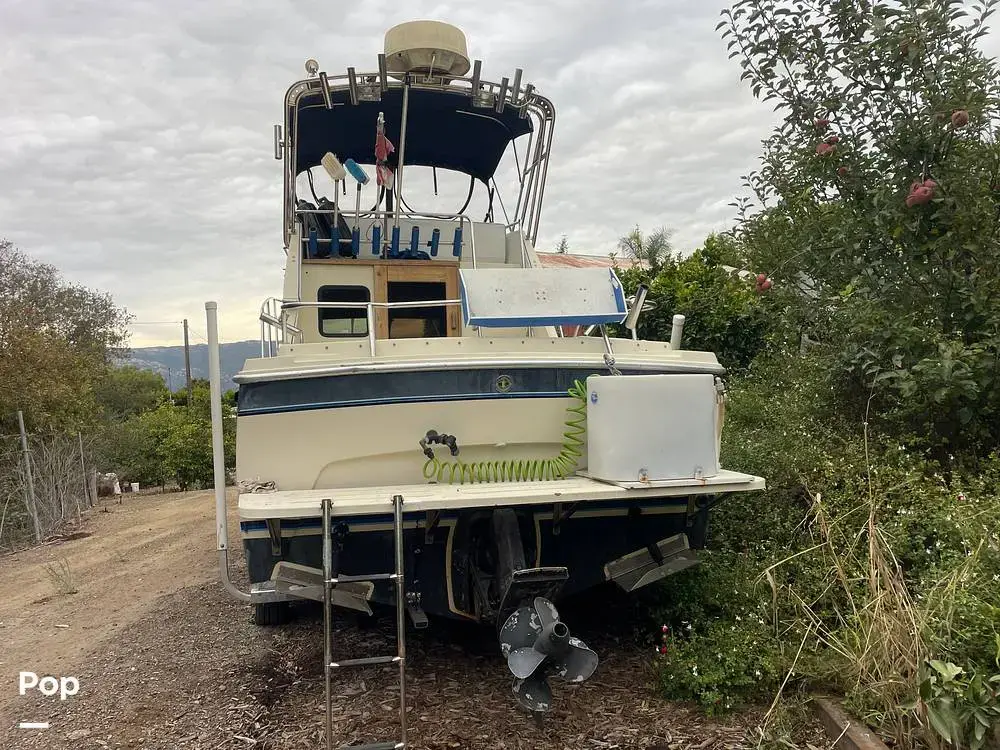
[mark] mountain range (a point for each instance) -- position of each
(168, 361)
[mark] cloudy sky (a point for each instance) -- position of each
(135, 137)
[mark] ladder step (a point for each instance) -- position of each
(366, 662)
(376, 746)
(358, 579)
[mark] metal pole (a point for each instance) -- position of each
(336, 223)
(298, 270)
(402, 149)
(218, 447)
(32, 508)
(218, 453)
(544, 176)
(370, 313)
(187, 362)
(397, 512)
(327, 651)
(357, 211)
(676, 332)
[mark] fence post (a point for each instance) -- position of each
(32, 508)
(83, 476)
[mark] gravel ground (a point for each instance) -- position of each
(188, 669)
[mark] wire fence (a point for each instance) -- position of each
(59, 486)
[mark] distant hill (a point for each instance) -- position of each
(168, 361)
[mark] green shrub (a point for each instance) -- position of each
(169, 444)
(719, 648)
(723, 313)
(798, 559)
(722, 665)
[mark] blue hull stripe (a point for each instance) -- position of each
(382, 388)
(398, 400)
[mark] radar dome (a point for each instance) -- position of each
(427, 47)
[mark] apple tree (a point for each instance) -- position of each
(876, 207)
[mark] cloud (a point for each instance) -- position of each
(135, 140)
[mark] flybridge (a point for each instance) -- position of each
(436, 115)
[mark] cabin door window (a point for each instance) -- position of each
(343, 321)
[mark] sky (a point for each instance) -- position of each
(136, 137)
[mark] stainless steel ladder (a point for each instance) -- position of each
(331, 579)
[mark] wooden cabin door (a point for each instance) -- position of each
(412, 281)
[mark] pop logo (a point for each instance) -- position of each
(48, 686)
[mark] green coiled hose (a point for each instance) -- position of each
(522, 470)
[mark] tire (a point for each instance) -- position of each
(270, 614)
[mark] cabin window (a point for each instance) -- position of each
(343, 321)
(417, 322)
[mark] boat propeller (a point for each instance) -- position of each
(537, 645)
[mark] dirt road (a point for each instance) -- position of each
(165, 660)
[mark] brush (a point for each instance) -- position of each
(337, 173)
(361, 177)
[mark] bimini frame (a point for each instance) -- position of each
(484, 94)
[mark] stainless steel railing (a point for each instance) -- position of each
(276, 329)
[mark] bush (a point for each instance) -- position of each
(169, 444)
(723, 312)
(719, 649)
(863, 554)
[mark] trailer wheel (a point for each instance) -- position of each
(270, 614)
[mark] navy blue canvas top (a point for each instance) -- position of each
(444, 130)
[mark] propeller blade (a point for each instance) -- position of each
(547, 612)
(534, 694)
(520, 631)
(524, 661)
(577, 664)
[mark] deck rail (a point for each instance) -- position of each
(276, 328)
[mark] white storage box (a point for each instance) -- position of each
(652, 427)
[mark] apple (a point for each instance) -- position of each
(919, 197)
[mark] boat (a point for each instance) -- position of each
(418, 431)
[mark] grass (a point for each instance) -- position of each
(61, 576)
